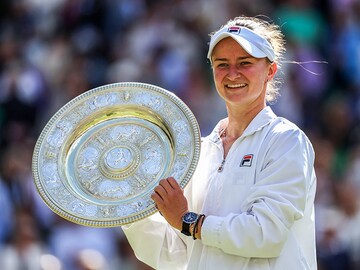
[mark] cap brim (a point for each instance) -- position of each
(249, 47)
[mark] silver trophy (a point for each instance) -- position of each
(99, 158)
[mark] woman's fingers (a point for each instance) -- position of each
(166, 187)
(173, 183)
(161, 191)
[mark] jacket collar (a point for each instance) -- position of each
(263, 118)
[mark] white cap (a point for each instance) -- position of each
(252, 43)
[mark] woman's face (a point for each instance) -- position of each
(240, 79)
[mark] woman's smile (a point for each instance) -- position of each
(236, 86)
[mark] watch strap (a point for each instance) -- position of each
(186, 229)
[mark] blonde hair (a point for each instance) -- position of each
(272, 33)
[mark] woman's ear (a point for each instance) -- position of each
(272, 71)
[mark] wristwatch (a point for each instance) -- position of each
(187, 220)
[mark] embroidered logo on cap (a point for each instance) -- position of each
(234, 29)
(246, 160)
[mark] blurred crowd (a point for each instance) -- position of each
(51, 51)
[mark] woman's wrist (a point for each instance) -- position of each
(196, 229)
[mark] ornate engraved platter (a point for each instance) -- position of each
(98, 159)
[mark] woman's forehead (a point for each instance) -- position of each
(229, 46)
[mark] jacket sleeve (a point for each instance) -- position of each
(273, 204)
(156, 243)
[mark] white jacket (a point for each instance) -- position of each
(259, 209)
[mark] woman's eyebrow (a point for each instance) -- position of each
(239, 58)
(245, 57)
(220, 59)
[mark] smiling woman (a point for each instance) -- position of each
(250, 202)
(240, 79)
(258, 38)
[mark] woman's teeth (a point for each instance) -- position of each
(241, 85)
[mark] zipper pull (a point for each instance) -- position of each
(221, 167)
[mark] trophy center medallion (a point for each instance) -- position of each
(118, 158)
(119, 162)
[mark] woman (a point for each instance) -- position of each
(250, 202)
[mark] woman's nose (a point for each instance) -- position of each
(234, 73)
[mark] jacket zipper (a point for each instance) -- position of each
(221, 167)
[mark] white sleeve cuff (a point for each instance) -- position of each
(210, 231)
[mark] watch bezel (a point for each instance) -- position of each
(190, 217)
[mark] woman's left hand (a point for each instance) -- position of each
(170, 201)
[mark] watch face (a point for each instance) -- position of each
(190, 217)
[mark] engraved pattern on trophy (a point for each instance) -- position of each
(101, 101)
(59, 134)
(123, 160)
(50, 174)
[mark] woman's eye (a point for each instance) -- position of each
(221, 65)
(245, 63)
